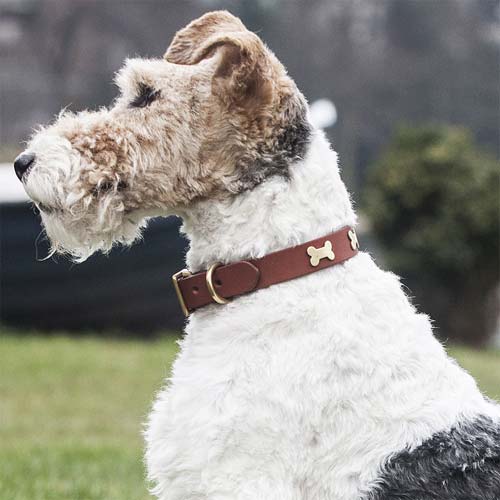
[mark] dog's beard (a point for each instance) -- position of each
(80, 224)
(82, 237)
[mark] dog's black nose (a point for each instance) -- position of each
(22, 163)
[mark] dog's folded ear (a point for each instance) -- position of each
(191, 43)
(243, 66)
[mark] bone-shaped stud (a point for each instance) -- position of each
(354, 239)
(324, 252)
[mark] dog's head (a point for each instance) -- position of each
(215, 117)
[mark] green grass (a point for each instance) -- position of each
(71, 412)
(484, 366)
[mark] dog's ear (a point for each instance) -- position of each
(190, 43)
(243, 66)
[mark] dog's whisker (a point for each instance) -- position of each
(51, 253)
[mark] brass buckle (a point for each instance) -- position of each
(211, 289)
(184, 273)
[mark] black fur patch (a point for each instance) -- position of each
(290, 145)
(461, 464)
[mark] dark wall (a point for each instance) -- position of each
(130, 289)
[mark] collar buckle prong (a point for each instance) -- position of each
(183, 273)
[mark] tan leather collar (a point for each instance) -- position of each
(222, 282)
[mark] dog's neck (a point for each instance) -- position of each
(277, 214)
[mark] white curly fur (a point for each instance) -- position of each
(302, 390)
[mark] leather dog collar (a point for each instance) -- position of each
(222, 282)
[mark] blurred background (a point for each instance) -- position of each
(408, 92)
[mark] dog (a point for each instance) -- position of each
(323, 382)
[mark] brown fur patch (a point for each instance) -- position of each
(246, 70)
(189, 39)
(257, 101)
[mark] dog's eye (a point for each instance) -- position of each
(145, 96)
(106, 187)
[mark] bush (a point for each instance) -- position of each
(433, 202)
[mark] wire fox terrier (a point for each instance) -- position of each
(319, 380)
